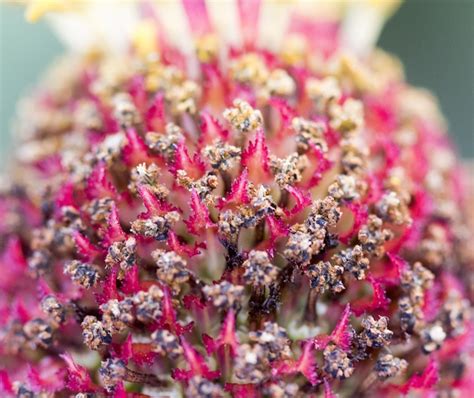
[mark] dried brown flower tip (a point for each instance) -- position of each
(200, 387)
(183, 97)
(288, 170)
(250, 363)
(172, 269)
(373, 236)
(353, 260)
(281, 389)
(224, 295)
(309, 133)
(229, 225)
(148, 304)
(325, 276)
(156, 227)
(375, 333)
(203, 186)
(99, 210)
(87, 117)
(279, 83)
(165, 343)
(39, 333)
(85, 275)
(166, 143)
(408, 315)
(249, 69)
(259, 271)
(389, 366)
(148, 175)
(116, 315)
(348, 117)
(274, 340)
(432, 338)
(94, 333)
(302, 245)
(323, 92)
(125, 111)
(243, 117)
(112, 371)
(54, 309)
(39, 262)
(393, 209)
(122, 253)
(456, 314)
(222, 156)
(416, 281)
(337, 363)
(344, 188)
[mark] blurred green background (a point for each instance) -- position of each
(434, 39)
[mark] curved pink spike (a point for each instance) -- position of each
(255, 157)
(238, 192)
(306, 365)
(6, 385)
(328, 393)
(43, 289)
(168, 318)
(211, 130)
(227, 336)
(65, 196)
(196, 363)
(131, 283)
(427, 380)
(84, 247)
(98, 185)
(156, 115)
(341, 335)
(360, 214)
(322, 165)
(114, 231)
(194, 167)
(286, 112)
(249, 11)
(109, 288)
(302, 200)
(198, 17)
(242, 390)
(152, 204)
(138, 92)
(199, 221)
(182, 248)
(135, 151)
(79, 379)
(379, 299)
(13, 264)
(119, 391)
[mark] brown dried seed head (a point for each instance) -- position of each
(200, 387)
(309, 133)
(224, 295)
(125, 111)
(337, 363)
(258, 269)
(279, 83)
(323, 92)
(344, 188)
(165, 343)
(372, 237)
(325, 276)
(166, 143)
(393, 209)
(54, 309)
(183, 97)
(122, 253)
(376, 333)
(85, 275)
(274, 340)
(288, 171)
(148, 304)
(229, 225)
(348, 117)
(243, 117)
(112, 371)
(221, 156)
(94, 333)
(171, 269)
(249, 69)
(39, 262)
(389, 366)
(352, 260)
(116, 315)
(251, 363)
(156, 227)
(38, 332)
(432, 338)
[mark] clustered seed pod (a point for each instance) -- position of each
(253, 221)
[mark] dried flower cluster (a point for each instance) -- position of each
(279, 224)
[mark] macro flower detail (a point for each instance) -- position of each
(202, 208)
